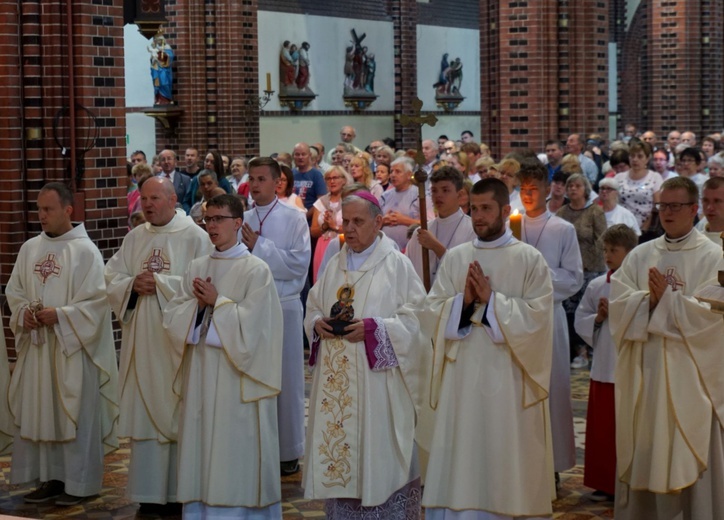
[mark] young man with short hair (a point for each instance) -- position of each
(451, 227)
(712, 202)
(227, 315)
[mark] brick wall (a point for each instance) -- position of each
(216, 73)
(34, 62)
(543, 71)
(404, 20)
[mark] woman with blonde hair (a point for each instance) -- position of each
(508, 168)
(361, 172)
(327, 214)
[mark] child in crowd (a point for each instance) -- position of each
(591, 323)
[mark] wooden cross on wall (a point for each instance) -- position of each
(418, 121)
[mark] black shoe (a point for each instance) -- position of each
(68, 500)
(289, 467)
(46, 491)
(150, 509)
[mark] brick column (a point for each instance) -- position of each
(36, 67)
(404, 20)
(216, 72)
(712, 70)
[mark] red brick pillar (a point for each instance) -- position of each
(404, 20)
(36, 68)
(216, 74)
(712, 66)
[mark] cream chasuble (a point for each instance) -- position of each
(50, 386)
(361, 427)
(669, 385)
(491, 446)
(229, 380)
(149, 359)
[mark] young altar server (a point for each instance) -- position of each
(452, 227)
(63, 391)
(491, 454)
(227, 313)
(599, 470)
(279, 235)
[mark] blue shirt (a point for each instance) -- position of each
(309, 185)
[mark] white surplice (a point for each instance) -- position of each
(284, 244)
(63, 391)
(361, 422)
(149, 358)
(450, 232)
(491, 445)
(669, 386)
(598, 338)
(230, 377)
(556, 239)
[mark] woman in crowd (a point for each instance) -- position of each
(327, 215)
(590, 223)
(638, 185)
(285, 189)
(557, 198)
(507, 170)
(615, 213)
(338, 153)
(382, 174)
(384, 155)
(361, 172)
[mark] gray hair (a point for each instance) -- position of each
(579, 177)
(714, 159)
(209, 173)
(374, 209)
(406, 162)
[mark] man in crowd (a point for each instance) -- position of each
(227, 313)
(401, 205)
(142, 277)
(467, 136)
(181, 182)
(688, 138)
(661, 164)
(669, 389)
(557, 241)
(278, 234)
(429, 151)
(554, 153)
(63, 391)
(491, 372)
(308, 181)
(138, 157)
(208, 182)
(192, 162)
(712, 202)
(360, 454)
(575, 146)
(238, 174)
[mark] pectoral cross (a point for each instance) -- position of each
(418, 120)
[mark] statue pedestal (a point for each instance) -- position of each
(713, 295)
(167, 115)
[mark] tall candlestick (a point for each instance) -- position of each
(268, 82)
(516, 220)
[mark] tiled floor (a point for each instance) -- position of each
(572, 503)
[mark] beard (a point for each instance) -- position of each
(488, 232)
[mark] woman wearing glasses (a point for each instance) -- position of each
(327, 216)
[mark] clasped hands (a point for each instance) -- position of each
(205, 292)
(355, 331)
(45, 317)
(477, 286)
(657, 287)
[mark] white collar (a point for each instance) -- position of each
(504, 240)
(236, 251)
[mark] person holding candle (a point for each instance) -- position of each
(590, 223)
(556, 240)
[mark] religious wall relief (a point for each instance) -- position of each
(359, 73)
(449, 81)
(294, 74)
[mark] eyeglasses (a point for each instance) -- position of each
(215, 220)
(673, 206)
(333, 178)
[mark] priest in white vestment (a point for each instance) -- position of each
(63, 391)
(227, 313)
(279, 235)
(557, 241)
(492, 312)
(142, 277)
(452, 227)
(360, 454)
(669, 386)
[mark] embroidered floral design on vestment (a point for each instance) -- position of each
(335, 452)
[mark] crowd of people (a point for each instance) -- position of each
(582, 254)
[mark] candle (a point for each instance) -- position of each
(516, 220)
(268, 82)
